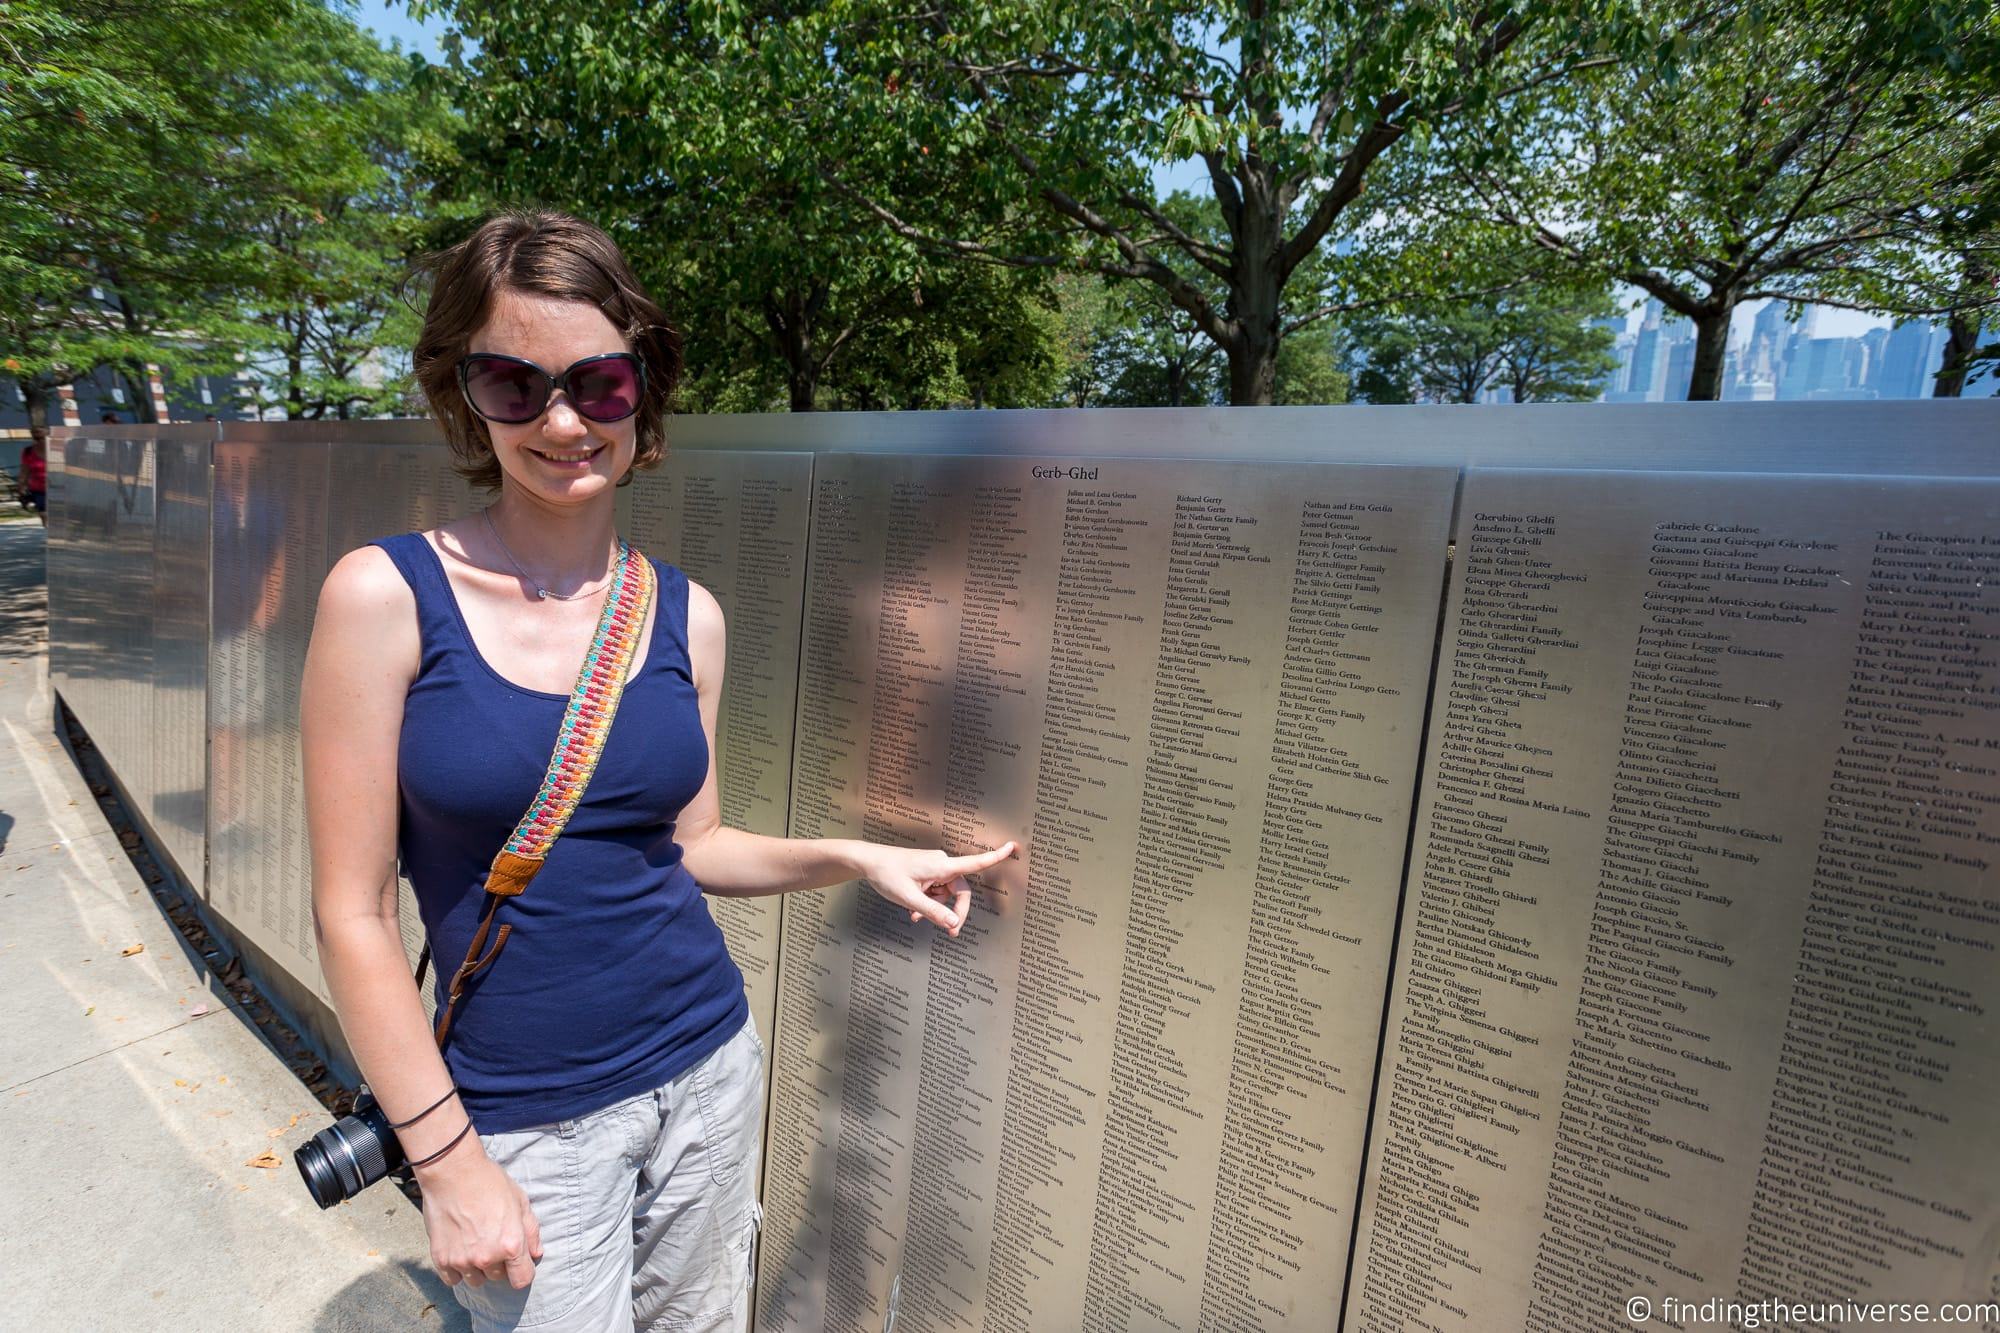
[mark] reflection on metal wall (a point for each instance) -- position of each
(270, 520)
(881, 1195)
(128, 569)
(1135, 1087)
(106, 575)
(180, 651)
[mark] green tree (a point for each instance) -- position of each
(1147, 351)
(1966, 358)
(1050, 117)
(963, 336)
(1446, 354)
(631, 120)
(185, 181)
(1799, 150)
(1151, 354)
(1084, 310)
(1539, 341)
(121, 129)
(348, 209)
(1968, 229)
(1309, 370)
(1554, 347)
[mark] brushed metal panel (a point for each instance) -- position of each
(80, 518)
(1932, 437)
(116, 649)
(107, 591)
(180, 655)
(380, 490)
(1695, 987)
(270, 557)
(1132, 1093)
(736, 523)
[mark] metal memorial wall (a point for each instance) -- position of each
(1189, 689)
(1702, 944)
(128, 592)
(1479, 866)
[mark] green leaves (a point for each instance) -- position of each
(1191, 131)
(204, 165)
(1028, 132)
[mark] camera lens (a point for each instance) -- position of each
(349, 1155)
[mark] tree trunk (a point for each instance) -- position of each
(1471, 379)
(141, 401)
(790, 318)
(37, 394)
(1176, 381)
(1711, 349)
(1253, 370)
(1963, 339)
(1958, 349)
(295, 397)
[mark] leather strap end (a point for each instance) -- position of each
(510, 874)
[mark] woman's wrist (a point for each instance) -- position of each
(448, 1157)
(849, 854)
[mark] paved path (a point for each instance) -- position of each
(134, 1093)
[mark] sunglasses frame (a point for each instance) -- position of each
(551, 383)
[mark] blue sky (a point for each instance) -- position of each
(388, 18)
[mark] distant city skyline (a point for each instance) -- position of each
(1826, 355)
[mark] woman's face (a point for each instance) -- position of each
(559, 457)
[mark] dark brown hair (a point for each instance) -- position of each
(537, 253)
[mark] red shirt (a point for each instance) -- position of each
(34, 469)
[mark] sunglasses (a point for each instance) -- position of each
(511, 391)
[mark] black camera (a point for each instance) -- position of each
(351, 1154)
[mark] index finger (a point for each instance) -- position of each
(520, 1271)
(977, 861)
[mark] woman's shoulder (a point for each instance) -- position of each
(367, 611)
(369, 576)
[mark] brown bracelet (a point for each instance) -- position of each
(426, 1111)
(442, 1151)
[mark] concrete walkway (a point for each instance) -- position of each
(135, 1092)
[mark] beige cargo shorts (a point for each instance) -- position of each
(648, 1208)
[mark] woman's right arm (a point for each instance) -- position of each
(364, 654)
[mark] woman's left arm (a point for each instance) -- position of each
(735, 863)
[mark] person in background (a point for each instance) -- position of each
(34, 480)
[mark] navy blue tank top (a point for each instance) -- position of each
(616, 978)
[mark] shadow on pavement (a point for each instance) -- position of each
(381, 1300)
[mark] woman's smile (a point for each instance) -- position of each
(568, 460)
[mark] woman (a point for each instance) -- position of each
(606, 1058)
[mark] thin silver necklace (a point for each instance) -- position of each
(540, 591)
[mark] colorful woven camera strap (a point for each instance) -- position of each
(586, 723)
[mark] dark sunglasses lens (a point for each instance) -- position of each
(605, 390)
(503, 391)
